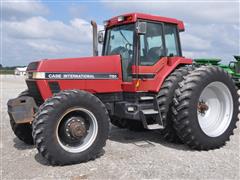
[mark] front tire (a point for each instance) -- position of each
(71, 127)
(206, 108)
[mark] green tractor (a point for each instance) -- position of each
(232, 68)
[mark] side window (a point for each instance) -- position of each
(151, 44)
(154, 41)
(142, 45)
(171, 40)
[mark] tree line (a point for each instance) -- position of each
(8, 69)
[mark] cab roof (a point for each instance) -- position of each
(133, 17)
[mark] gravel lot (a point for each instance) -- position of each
(128, 155)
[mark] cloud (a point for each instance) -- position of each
(191, 42)
(192, 11)
(37, 37)
(46, 47)
(77, 31)
(211, 40)
(76, 10)
(22, 9)
(29, 35)
(212, 28)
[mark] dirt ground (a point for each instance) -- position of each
(128, 155)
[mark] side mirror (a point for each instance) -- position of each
(142, 28)
(100, 37)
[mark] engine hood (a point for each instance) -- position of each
(96, 64)
(98, 74)
(97, 67)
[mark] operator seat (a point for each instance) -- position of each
(154, 54)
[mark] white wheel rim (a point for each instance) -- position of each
(218, 116)
(89, 139)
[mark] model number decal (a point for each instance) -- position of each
(80, 76)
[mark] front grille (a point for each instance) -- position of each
(34, 92)
(54, 86)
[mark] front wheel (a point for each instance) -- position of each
(206, 108)
(71, 127)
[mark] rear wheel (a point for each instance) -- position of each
(71, 127)
(22, 131)
(165, 101)
(206, 108)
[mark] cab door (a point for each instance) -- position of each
(157, 47)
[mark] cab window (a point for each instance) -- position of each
(151, 44)
(171, 40)
(120, 41)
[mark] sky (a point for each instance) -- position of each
(34, 30)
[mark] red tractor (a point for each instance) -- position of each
(141, 81)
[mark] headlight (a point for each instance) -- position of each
(35, 75)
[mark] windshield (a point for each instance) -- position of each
(119, 41)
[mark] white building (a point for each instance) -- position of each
(21, 71)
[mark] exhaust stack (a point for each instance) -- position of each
(95, 42)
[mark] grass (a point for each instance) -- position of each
(4, 71)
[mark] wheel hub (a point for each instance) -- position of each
(202, 107)
(76, 128)
(215, 109)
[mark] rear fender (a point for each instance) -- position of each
(159, 71)
(172, 64)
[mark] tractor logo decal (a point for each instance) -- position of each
(80, 76)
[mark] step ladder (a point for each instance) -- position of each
(154, 113)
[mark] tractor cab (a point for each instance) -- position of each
(141, 40)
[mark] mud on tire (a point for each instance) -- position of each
(71, 127)
(206, 108)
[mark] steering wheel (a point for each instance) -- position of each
(121, 51)
(128, 47)
(125, 56)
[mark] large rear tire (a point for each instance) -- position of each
(165, 101)
(22, 131)
(206, 108)
(71, 127)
